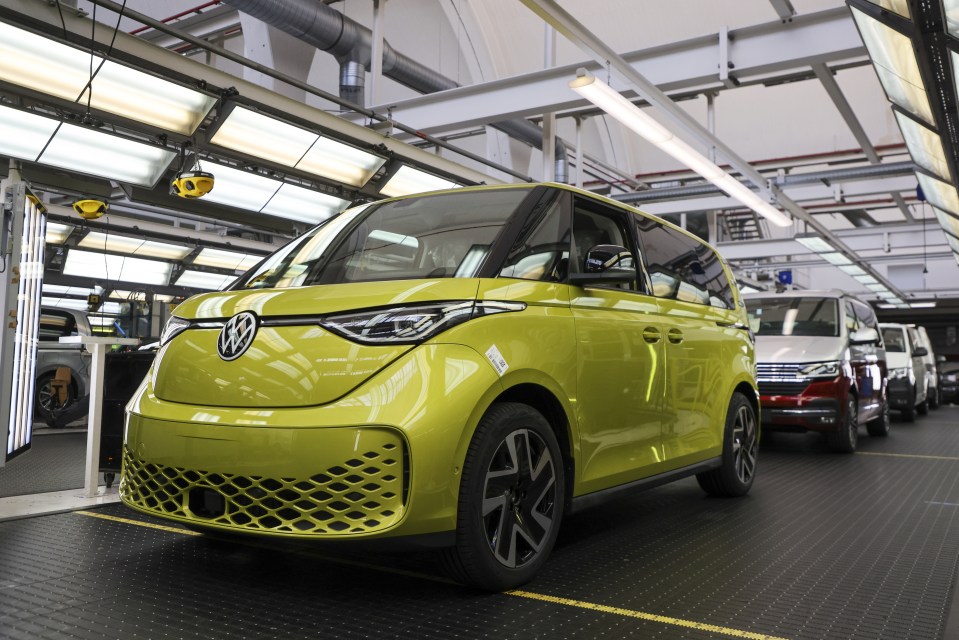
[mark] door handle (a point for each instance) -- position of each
(675, 336)
(733, 325)
(651, 335)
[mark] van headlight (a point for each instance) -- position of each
(174, 327)
(900, 372)
(412, 324)
(822, 369)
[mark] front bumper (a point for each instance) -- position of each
(382, 461)
(901, 395)
(819, 407)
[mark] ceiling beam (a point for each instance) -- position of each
(765, 51)
(784, 8)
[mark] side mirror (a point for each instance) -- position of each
(866, 335)
(919, 352)
(606, 264)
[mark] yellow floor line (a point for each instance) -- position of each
(907, 455)
(579, 604)
(652, 617)
(139, 523)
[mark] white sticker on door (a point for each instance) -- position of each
(497, 360)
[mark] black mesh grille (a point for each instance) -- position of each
(362, 494)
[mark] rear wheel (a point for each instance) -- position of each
(740, 452)
(47, 400)
(879, 426)
(510, 502)
(846, 439)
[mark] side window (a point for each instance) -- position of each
(852, 323)
(542, 250)
(56, 324)
(682, 268)
(595, 224)
(865, 315)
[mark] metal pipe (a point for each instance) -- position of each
(352, 81)
(293, 82)
(329, 30)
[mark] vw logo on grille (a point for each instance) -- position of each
(237, 335)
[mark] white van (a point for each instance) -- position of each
(929, 360)
(907, 371)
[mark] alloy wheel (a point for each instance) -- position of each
(519, 498)
(745, 444)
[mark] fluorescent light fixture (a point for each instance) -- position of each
(237, 188)
(87, 151)
(304, 205)
(866, 279)
(101, 321)
(938, 193)
(226, 259)
(57, 69)
(853, 270)
(953, 243)
(58, 233)
(246, 190)
(203, 280)
(28, 136)
(255, 134)
(23, 134)
(923, 305)
(133, 246)
(815, 243)
(836, 258)
(896, 65)
(138, 296)
(59, 289)
(610, 101)
(121, 268)
(925, 146)
(948, 222)
(341, 162)
(79, 305)
(408, 180)
(951, 8)
(262, 136)
(896, 6)
(877, 288)
(886, 305)
(895, 300)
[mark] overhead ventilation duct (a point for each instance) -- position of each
(351, 44)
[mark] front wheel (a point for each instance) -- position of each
(510, 501)
(846, 439)
(740, 451)
(879, 426)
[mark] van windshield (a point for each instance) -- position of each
(438, 236)
(894, 339)
(793, 316)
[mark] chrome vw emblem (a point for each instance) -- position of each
(237, 335)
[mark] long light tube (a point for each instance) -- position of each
(613, 103)
(44, 65)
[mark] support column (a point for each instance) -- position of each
(376, 53)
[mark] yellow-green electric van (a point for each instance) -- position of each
(458, 368)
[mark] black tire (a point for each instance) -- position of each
(846, 439)
(933, 397)
(909, 412)
(879, 427)
(511, 500)
(45, 402)
(740, 452)
(922, 408)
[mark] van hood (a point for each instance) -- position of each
(293, 363)
(798, 349)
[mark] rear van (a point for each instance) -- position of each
(821, 365)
